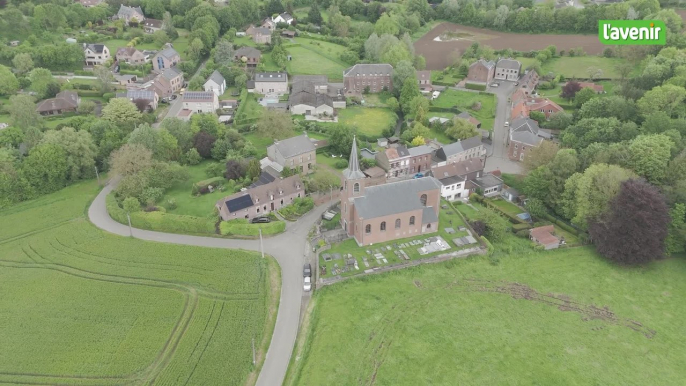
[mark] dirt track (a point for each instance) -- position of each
(438, 54)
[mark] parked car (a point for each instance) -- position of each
(516, 83)
(260, 220)
(173, 97)
(307, 270)
(495, 84)
(307, 286)
(507, 124)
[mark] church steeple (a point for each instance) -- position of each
(352, 172)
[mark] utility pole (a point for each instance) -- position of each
(97, 175)
(261, 246)
(253, 351)
(130, 229)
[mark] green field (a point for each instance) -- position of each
(569, 106)
(537, 318)
(81, 306)
(370, 121)
(576, 67)
(307, 61)
(464, 100)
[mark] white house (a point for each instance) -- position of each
(200, 101)
(455, 177)
(96, 54)
(215, 83)
(283, 18)
(507, 69)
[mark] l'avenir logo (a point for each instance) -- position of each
(632, 32)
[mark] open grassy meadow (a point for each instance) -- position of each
(310, 59)
(371, 121)
(83, 307)
(564, 317)
(464, 100)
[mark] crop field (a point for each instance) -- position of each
(83, 307)
(564, 317)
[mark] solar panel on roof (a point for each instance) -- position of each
(239, 203)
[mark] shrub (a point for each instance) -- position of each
(171, 204)
(519, 227)
(193, 157)
(131, 204)
(524, 233)
(150, 195)
(297, 208)
(215, 169)
(202, 187)
(474, 86)
(341, 164)
(242, 227)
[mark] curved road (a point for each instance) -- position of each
(288, 248)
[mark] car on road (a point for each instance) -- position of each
(516, 83)
(307, 270)
(260, 220)
(495, 84)
(507, 124)
(172, 97)
(307, 285)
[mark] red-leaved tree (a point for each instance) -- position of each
(570, 89)
(203, 142)
(634, 228)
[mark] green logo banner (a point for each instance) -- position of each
(632, 32)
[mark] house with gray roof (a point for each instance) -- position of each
(376, 77)
(65, 102)
(96, 54)
(381, 213)
(152, 25)
(313, 95)
(248, 55)
(401, 162)
(147, 95)
(524, 135)
(298, 153)
(507, 69)
(459, 151)
(200, 101)
(261, 199)
(489, 185)
(166, 58)
(175, 78)
(260, 35)
(130, 13)
(271, 83)
(454, 177)
(215, 83)
(481, 71)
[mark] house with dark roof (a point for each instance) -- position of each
(152, 25)
(147, 95)
(313, 95)
(507, 69)
(524, 135)
(299, 153)
(401, 162)
(284, 18)
(528, 82)
(268, 23)
(271, 83)
(166, 58)
(248, 55)
(488, 184)
(215, 83)
(175, 78)
(376, 77)
(481, 71)
(455, 176)
(65, 102)
(262, 199)
(96, 54)
(130, 13)
(459, 151)
(381, 213)
(260, 35)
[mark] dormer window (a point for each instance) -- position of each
(271, 196)
(280, 192)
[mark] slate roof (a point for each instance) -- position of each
(467, 116)
(394, 153)
(261, 194)
(126, 51)
(62, 101)
(379, 69)
(424, 75)
(458, 147)
(137, 94)
(97, 48)
(429, 215)
(526, 130)
(509, 64)
(309, 98)
(171, 73)
(419, 151)
(455, 172)
(487, 181)
(250, 84)
(486, 63)
(198, 96)
(261, 31)
(216, 77)
(294, 146)
(248, 52)
(271, 77)
(129, 11)
(286, 16)
(394, 197)
(153, 23)
(315, 79)
(353, 172)
(168, 53)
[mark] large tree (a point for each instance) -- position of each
(121, 111)
(409, 91)
(223, 53)
(668, 98)
(540, 155)
(634, 229)
(314, 16)
(181, 130)
(275, 125)
(341, 139)
(8, 82)
(650, 155)
(402, 71)
(105, 78)
(79, 151)
(46, 168)
(130, 159)
(40, 79)
(461, 129)
(570, 89)
(22, 110)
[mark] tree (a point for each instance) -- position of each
(192, 157)
(168, 26)
(79, 151)
(536, 207)
(314, 15)
(418, 141)
(86, 107)
(570, 89)
(418, 130)
(40, 79)
(409, 91)
(667, 98)
(181, 130)
(461, 129)
(392, 103)
(560, 120)
(223, 52)
(401, 71)
(677, 229)
(253, 170)
(207, 123)
(540, 155)
(341, 139)
(130, 159)
(105, 78)
(419, 107)
(131, 205)
(121, 111)
(45, 168)
(195, 48)
(160, 37)
(634, 229)
(323, 181)
(22, 63)
(154, 9)
(162, 144)
(584, 95)
(22, 112)
(274, 7)
(203, 143)
(650, 155)
(240, 81)
(235, 169)
(275, 125)
(8, 82)
(396, 53)
(386, 25)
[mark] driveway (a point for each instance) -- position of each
(289, 250)
(498, 159)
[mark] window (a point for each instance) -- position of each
(383, 226)
(412, 220)
(428, 226)
(356, 187)
(368, 229)
(422, 199)
(397, 224)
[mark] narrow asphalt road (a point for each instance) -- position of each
(499, 160)
(289, 249)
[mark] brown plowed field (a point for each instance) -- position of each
(438, 54)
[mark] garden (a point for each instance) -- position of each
(370, 121)
(467, 101)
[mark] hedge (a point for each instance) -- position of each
(474, 86)
(521, 227)
(299, 207)
(205, 183)
(89, 93)
(562, 224)
(444, 109)
(242, 227)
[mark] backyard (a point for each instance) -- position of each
(307, 59)
(370, 121)
(190, 205)
(108, 309)
(465, 100)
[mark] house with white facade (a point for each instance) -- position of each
(455, 177)
(96, 54)
(283, 18)
(507, 69)
(271, 83)
(215, 83)
(460, 151)
(200, 101)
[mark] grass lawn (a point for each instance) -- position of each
(240, 41)
(330, 161)
(377, 100)
(447, 218)
(5, 118)
(507, 207)
(464, 100)
(82, 304)
(261, 142)
(576, 67)
(301, 13)
(466, 322)
(53, 122)
(307, 61)
(451, 77)
(438, 132)
(569, 106)
(370, 121)
(187, 204)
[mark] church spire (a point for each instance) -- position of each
(352, 172)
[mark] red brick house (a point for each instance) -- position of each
(543, 105)
(481, 71)
(375, 76)
(524, 135)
